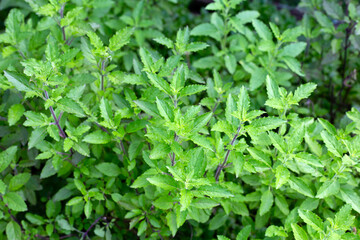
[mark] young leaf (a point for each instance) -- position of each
(15, 202)
(109, 169)
(120, 39)
(299, 233)
(312, 219)
(267, 201)
(97, 137)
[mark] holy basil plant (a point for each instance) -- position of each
(146, 120)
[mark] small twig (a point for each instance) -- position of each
(103, 66)
(221, 166)
(91, 226)
(214, 109)
(61, 131)
(61, 12)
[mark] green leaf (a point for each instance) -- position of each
(95, 40)
(204, 203)
(272, 88)
(244, 233)
(261, 29)
(204, 29)
(19, 180)
(278, 142)
(230, 63)
(343, 219)
(192, 89)
(6, 157)
(185, 199)
(109, 169)
(328, 188)
(273, 231)
(293, 49)
(328, 126)
(304, 91)
(15, 113)
(324, 21)
(214, 191)
(97, 137)
(164, 202)
(260, 156)
(267, 201)
(163, 181)
(198, 162)
(13, 231)
(247, 16)
(159, 82)
(70, 106)
(20, 82)
(312, 219)
(105, 109)
(299, 233)
(351, 197)
(294, 65)
(120, 39)
(217, 221)
(196, 46)
(36, 137)
(75, 201)
(308, 159)
(15, 202)
(88, 209)
(171, 222)
(300, 186)
(332, 144)
(164, 41)
(149, 108)
(282, 175)
(165, 110)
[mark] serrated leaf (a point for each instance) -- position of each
(36, 137)
(120, 39)
(6, 157)
(20, 82)
(304, 91)
(164, 41)
(196, 46)
(328, 188)
(13, 231)
(351, 197)
(19, 180)
(312, 219)
(15, 202)
(343, 219)
(15, 113)
(159, 82)
(192, 89)
(261, 29)
(267, 201)
(97, 137)
(293, 49)
(109, 169)
(299, 233)
(300, 186)
(165, 182)
(282, 175)
(294, 65)
(332, 144)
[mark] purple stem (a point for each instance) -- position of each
(221, 166)
(61, 131)
(91, 226)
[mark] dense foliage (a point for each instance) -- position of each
(126, 119)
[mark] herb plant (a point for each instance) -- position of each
(141, 119)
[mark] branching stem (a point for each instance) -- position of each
(61, 131)
(222, 166)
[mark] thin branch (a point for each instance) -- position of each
(61, 12)
(61, 131)
(103, 66)
(221, 166)
(91, 226)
